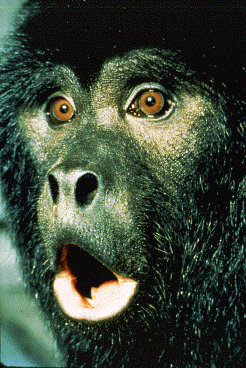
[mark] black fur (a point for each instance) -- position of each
(189, 256)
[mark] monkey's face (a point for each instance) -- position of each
(115, 157)
(123, 163)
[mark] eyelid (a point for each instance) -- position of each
(57, 96)
(143, 87)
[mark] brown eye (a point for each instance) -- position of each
(151, 102)
(61, 111)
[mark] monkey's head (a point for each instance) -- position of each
(123, 164)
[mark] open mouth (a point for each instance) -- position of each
(86, 289)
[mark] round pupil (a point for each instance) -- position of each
(150, 101)
(64, 109)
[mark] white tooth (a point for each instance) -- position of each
(93, 292)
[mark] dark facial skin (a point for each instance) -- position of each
(124, 175)
(108, 142)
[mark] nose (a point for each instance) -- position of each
(77, 185)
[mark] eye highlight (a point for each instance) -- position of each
(60, 110)
(149, 100)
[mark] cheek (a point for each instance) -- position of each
(176, 146)
(170, 153)
(42, 141)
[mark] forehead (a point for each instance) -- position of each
(134, 67)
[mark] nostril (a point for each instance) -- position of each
(86, 189)
(54, 188)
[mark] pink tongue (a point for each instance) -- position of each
(106, 301)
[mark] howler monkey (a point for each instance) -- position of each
(123, 167)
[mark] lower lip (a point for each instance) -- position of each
(106, 301)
